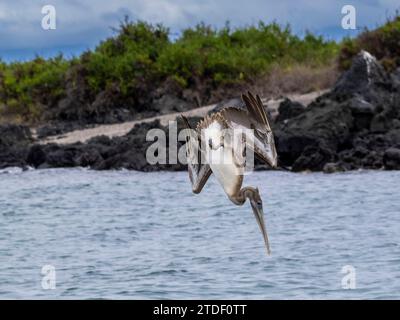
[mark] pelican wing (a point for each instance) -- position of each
(256, 110)
(261, 139)
(198, 172)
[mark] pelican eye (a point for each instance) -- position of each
(259, 204)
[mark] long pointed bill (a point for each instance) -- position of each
(259, 214)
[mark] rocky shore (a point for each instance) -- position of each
(355, 125)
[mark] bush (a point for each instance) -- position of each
(383, 43)
(28, 87)
(141, 57)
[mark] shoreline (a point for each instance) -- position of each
(354, 125)
(120, 129)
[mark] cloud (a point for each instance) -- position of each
(82, 24)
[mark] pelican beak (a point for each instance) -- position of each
(259, 214)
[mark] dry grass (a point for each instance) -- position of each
(297, 79)
(280, 82)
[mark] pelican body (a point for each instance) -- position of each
(212, 147)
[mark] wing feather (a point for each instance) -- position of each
(261, 141)
(251, 108)
(198, 172)
(256, 109)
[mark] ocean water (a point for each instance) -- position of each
(127, 235)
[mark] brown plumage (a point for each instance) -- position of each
(230, 174)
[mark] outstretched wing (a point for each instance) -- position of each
(261, 141)
(198, 172)
(256, 110)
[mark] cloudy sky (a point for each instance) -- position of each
(82, 24)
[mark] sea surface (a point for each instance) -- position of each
(76, 233)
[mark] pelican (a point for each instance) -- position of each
(208, 141)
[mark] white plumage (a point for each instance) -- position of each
(219, 144)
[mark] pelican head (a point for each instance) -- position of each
(257, 206)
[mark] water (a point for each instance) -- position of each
(121, 234)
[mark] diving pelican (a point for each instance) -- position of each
(208, 141)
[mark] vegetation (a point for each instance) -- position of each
(27, 88)
(383, 43)
(141, 58)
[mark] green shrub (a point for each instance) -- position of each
(141, 57)
(25, 87)
(383, 43)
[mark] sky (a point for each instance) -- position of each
(81, 24)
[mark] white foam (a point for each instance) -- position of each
(11, 170)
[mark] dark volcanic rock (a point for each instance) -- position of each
(290, 146)
(350, 127)
(332, 167)
(395, 78)
(57, 128)
(168, 104)
(14, 140)
(62, 156)
(313, 158)
(324, 126)
(362, 112)
(392, 159)
(14, 135)
(289, 109)
(81, 106)
(365, 73)
(103, 153)
(356, 125)
(36, 156)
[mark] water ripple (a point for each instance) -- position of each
(123, 234)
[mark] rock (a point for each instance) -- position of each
(103, 153)
(364, 73)
(62, 156)
(380, 123)
(373, 160)
(313, 158)
(289, 109)
(356, 125)
(108, 108)
(14, 142)
(392, 159)
(89, 157)
(290, 146)
(12, 135)
(333, 167)
(325, 126)
(350, 126)
(58, 128)
(392, 138)
(358, 105)
(362, 111)
(361, 158)
(36, 156)
(13, 157)
(395, 78)
(169, 104)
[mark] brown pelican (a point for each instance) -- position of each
(207, 142)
